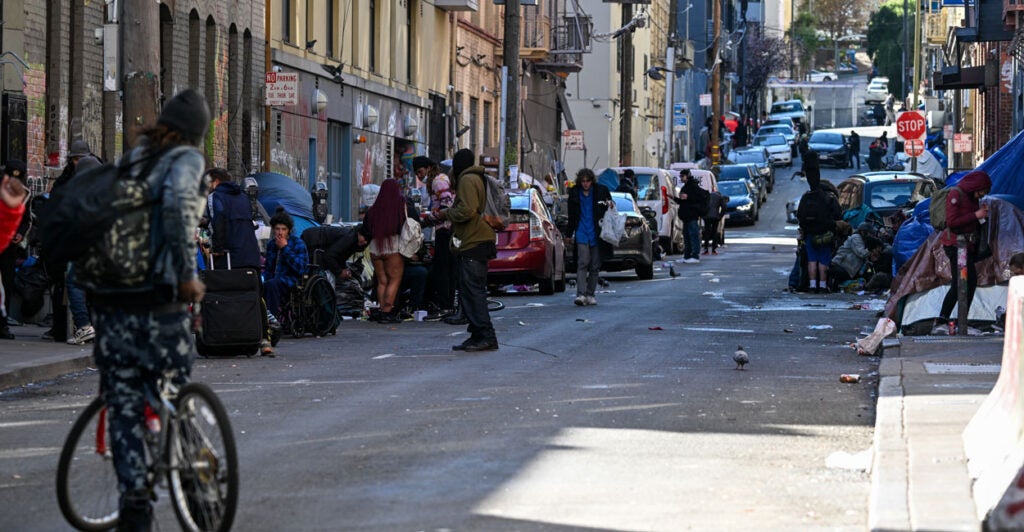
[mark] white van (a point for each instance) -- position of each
(793, 109)
(655, 189)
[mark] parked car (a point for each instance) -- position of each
(531, 248)
(832, 148)
(789, 133)
(747, 173)
(777, 146)
(655, 187)
(885, 192)
(793, 109)
(743, 206)
(878, 90)
(786, 121)
(635, 249)
(816, 76)
(759, 157)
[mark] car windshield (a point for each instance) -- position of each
(623, 204)
(794, 107)
(733, 188)
(822, 137)
(748, 156)
(779, 130)
(733, 172)
(770, 140)
(892, 194)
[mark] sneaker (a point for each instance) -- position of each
(714, 252)
(266, 349)
(82, 335)
(483, 344)
(272, 320)
(692, 260)
(591, 300)
(580, 301)
(48, 335)
(940, 330)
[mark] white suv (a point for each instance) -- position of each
(878, 90)
(793, 109)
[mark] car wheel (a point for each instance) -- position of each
(645, 271)
(547, 286)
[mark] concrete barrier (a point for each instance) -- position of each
(994, 438)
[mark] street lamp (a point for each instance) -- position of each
(655, 73)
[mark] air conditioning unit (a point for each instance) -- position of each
(457, 5)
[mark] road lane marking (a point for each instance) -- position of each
(715, 329)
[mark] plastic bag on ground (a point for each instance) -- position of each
(870, 344)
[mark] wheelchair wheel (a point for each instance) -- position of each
(319, 307)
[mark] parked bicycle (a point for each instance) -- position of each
(190, 450)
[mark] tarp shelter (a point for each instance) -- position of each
(928, 271)
(927, 165)
(279, 190)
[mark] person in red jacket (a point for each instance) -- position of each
(12, 208)
(964, 216)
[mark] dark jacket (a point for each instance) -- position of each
(695, 206)
(717, 205)
(599, 195)
(233, 231)
(334, 244)
(818, 212)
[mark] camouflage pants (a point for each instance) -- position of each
(133, 350)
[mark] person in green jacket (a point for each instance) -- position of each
(474, 241)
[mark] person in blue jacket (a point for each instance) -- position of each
(230, 222)
(286, 261)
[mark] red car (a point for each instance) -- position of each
(530, 249)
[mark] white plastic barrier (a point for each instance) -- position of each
(994, 439)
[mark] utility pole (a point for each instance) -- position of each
(917, 80)
(716, 74)
(670, 61)
(510, 53)
(266, 67)
(140, 65)
(626, 91)
(906, 45)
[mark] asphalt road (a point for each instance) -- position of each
(586, 419)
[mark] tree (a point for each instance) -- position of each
(805, 29)
(885, 43)
(835, 19)
(765, 56)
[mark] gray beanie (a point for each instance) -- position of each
(188, 114)
(79, 148)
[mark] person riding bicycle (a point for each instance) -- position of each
(142, 336)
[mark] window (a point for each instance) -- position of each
(331, 28)
(373, 35)
(286, 20)
(210, 85)
(193, 48)
(487, 125)
(473, 104)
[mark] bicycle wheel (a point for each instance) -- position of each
(86, 482)
(203, 463)
(320, 308)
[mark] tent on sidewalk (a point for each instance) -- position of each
(279, 190)
(923, 281)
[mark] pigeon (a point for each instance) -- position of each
(740, 357)
(672, 271)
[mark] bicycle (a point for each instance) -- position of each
(189, 445)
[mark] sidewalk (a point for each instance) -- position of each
(29, 358)
(930, 388)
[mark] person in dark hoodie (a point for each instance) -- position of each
(693, 203)
(964, 216)
(476, 246)
(817, 215)
(230, 222)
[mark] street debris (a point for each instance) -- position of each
(872, 343)
(535, 304)
(583, 320)
(712, 294)
(787, 330)
(819, 327)
(853, 462)
(849, 378)
(714, 280)
(655, 328)
(522, 324)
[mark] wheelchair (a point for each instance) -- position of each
(311, 306)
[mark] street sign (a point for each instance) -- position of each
(913, 148)
(282, 88)
(705, 99)
(947, 132)
(572, 139)
(962, 143)
(910, 125)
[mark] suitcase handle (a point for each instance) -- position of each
(213, 267)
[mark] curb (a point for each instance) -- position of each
(42, 372)
(888, 504)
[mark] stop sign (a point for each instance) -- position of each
(910, 125)
(913, 148)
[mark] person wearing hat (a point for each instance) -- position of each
(142, 336)
(79, 150)
(817, 215)
(441, 276)
(13, 196)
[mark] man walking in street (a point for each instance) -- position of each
(588, 203)
(476, 246)
(854, 149)
(693, 203)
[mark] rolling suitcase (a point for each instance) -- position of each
(232, 312)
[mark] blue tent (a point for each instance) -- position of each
(279, 190)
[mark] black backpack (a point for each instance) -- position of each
(102, 221)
